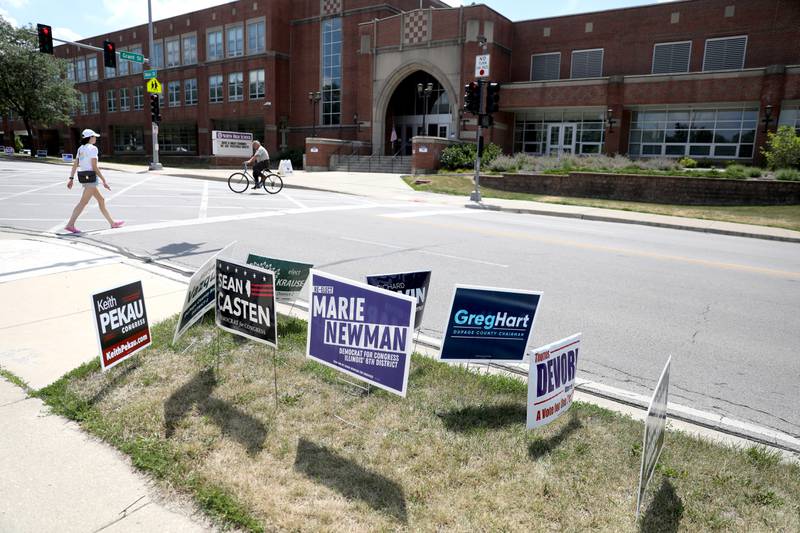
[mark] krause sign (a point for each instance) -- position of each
(489, 324)
(246, 302)
(121, 319)
(362, 331)
(551, 380)
(654, 427)
(199, 297)
(290, 276)
(231, 144)
(414, 284)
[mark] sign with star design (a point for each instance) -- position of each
(245, 303)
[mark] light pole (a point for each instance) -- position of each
(424, 93)
(314, 98)
(154, 165)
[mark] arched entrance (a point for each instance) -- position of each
(419, 105)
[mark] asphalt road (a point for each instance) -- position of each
(726, 308)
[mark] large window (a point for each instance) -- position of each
(725, 133)
(138, 98)
(110, 73)
(587, 63)
(111, 100)
(190, 91)
(530, 129)
(671, 57)
(256, 84)
(256, 36)
(84, 103)
(235, 86)
(128, 139)
(91, 63)
(80, 69)
(190, 49)
(124, 99)
(71, 70)
(94, 101)
(173, 47)
(136, 68)
(177, 138)
(215, 88)
(157, 57)
(790, 116)
(214, 45)
(123, 65)
(725, 53)
(235, 39)
(174, 93)
(331, 71)
(546, 66)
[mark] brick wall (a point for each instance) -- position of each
(426, 153)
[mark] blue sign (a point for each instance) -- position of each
(489, 324)
(413, 284)
(66, 158)
(362, 331)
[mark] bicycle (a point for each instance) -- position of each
(239, 182)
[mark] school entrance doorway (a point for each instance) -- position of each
(419, 106)
(561, 138)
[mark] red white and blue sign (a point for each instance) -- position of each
(363, 331)
(488, 324)
(551, 380)
(246, 301)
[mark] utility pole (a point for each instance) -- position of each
(154, 165)
(475, 196)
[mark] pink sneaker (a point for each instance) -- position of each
(72, 229)
(117, 224)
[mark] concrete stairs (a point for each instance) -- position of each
(372, 163)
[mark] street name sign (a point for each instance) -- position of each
(551, 380)
(150, 74)
(153, 86)
(245, 302)
(130, 56)
(482, 66)
(654, 427)
(121, 319)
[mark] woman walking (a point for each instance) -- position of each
(88, 172)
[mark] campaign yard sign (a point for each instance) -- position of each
(655, 424)
(245, 303)
(121, 319)
(362, 331)
(551, 380)
(488, 324)
(290, 276)
(414, 284)
(200, 296)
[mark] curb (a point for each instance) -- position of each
(619, 220)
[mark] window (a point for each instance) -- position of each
(138, 98)
(94, 100)
(235, 86)
(111, 100)
(157, 57)
(546, 66)
(215, 88)
(331, 71)
(122, 64)
(189, 49)
(702, 132)
(80, 69)
(110, 73)
(587, 63)
(190, 91)
(71, 70)
(84, 103)
(177, 138)
(530, 129)
(256, 84)
(91, 63)
(671, 57)
(235, 38)
(214, 48)
(726, 53)
(128, 139)
(790, 116)
(173, 47)
(136, 68)
(124, 99)
(255, 36)
(174, 93)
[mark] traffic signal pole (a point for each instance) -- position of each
(475, 196)
(154, 165)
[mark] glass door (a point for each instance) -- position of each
(561, 138)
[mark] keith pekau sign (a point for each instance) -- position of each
(414, 284)
(551, 380)
(246, 302)
(362, 331)
(121, 319)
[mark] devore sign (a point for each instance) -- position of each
(551, 380)
(231, 144)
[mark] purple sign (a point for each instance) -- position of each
(365, 332)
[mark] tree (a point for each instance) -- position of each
(33, 85)
(783, 148)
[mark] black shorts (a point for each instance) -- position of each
(260, 167)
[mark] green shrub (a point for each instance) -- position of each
(752, 172)
(18, 144)
(788, 174)
(687, 162)
(463, 156)
(736, 172)
(504, 163)
(783, 148)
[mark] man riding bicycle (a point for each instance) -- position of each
(261, 158)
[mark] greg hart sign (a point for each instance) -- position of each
(121, 320)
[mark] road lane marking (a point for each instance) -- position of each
(58, 183)
(204, 201)
(298, 203)
(362, 241)
(129, 187)
(428, 252)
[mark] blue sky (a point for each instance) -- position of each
(86, 18)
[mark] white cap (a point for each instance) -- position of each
(89, 133)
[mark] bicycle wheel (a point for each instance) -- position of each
(273, 183)
(238, 182)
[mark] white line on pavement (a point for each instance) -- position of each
(298, 203)
(129, 187)
(428, 252)
(58, 183)
(362, 241)
(204, 201)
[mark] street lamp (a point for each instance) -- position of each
(767, 117)
(424, 93)
(314, 98)
(356, 122)
(610, 119)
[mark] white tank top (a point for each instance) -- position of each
(86, 153)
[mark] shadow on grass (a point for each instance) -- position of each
(350, 479)
(245, 429)
(484, 417)
(118, 378)
(664, 513)
(541, 447)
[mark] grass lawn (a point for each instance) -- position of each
(779, 216)
(454, 455)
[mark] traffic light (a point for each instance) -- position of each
(493, 97)
(155, 111)
(472, 97)
(45, 38)
(109, 54)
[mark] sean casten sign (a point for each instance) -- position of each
(551, 380)
(362, 331)
(246, 302)
(121, 319)
(414, 284)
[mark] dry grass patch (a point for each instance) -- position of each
(454, 455)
